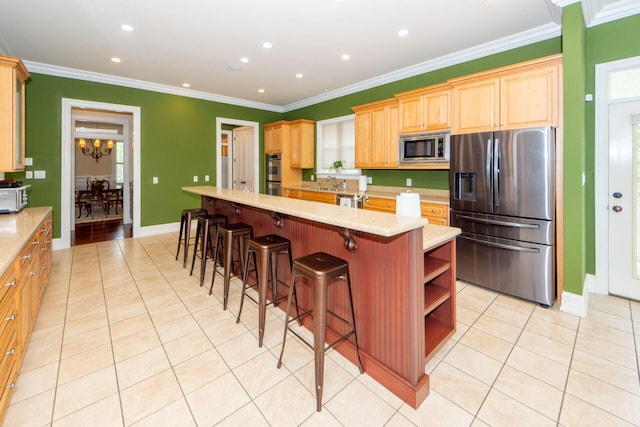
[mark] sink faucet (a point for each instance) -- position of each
(334, 186)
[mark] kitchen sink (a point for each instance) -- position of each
(326, 188)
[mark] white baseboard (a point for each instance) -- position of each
(152, 230)
(578, 304)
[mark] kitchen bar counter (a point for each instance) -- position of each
(402, 274)
(16, 230)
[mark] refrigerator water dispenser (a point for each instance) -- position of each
(465, 186)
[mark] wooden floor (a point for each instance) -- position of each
(100, 232)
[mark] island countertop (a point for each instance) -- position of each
(367, 221)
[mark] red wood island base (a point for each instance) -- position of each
(402, 274)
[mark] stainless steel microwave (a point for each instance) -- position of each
(13, 199)
(423, 148)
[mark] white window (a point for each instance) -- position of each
(119, 162)
(336, 142)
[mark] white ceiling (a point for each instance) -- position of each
(195, 41)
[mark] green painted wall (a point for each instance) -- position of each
(422, 179)
(177, 141)
(574, 41)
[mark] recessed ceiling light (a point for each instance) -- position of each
(127, 27)
(244, 59)
(345, 57)
(186, 85)
(261, 90)
(234, 67)
(299, 75)
(267, 45)
(403, 33)
(116, 59)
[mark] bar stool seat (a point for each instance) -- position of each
(226, 235)
(204, 237)
(265, 251)
(322, 269)
(185, 230)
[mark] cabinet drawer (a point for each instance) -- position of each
(379, 204)
(8, 318)
(433, 210)
(317, 196)
(9, 281)
(8, 373)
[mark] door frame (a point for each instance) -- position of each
(256, 146)
(601, 186)
(67, 165)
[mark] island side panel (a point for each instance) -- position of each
(386, 274)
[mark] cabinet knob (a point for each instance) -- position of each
(12, 385)
(11, 283)
(33, 273)
(27, 256)
(10, 352)
(12, 317)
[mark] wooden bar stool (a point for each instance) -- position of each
(321, 269)
(204, 237)
(226, 235)
(265, 251)
(185, 230)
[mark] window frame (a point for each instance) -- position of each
(319, 147)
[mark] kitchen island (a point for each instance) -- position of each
(402, 273)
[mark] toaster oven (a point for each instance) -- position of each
(13, 199)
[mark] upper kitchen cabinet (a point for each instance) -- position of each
(276, 136)
(425, 109)
(301, 143)
(524, 95)
(13, 75)
(376, 125)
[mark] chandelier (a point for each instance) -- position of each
(97, 149)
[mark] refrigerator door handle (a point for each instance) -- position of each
(496, 172)
(495, 222)
(489, 167)
(500, 245)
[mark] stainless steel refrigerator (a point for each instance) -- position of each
(503, 199)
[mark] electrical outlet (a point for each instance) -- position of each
(369, 180)
(206, 178)
(155, 179)
(195, 178)
(29, 174)
(313, 178)
(409, 182)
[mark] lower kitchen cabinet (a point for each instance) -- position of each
(380, 204)
(21, 288)
(436, 214)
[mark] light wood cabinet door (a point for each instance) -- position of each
(376, 144)
(435, 213)
(477, 104)
(363, 139)
(13, 75)
(274, 137)
(301, 142)
(529, 98)
(425, 109)
(380, 204)
(318, 196)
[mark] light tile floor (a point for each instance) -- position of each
(126, 337)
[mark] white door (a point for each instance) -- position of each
(624, 199)
(243, 159)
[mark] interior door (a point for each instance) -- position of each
(243, 159)
(624, 196)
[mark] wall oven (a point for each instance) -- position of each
(273, 174)
(423, 148)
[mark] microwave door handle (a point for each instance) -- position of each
(496, 172)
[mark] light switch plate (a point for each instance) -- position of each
(195, 178)
(28, 161)
(155, 179)
(409, 182)
(206, 178)
(29, 174)
(39, 174)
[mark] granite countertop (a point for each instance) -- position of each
(373, 222)
(16, 230)
(440, 197)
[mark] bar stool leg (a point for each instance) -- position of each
(245, 273)
(206, 246)
(195, 249)
(228, 264)
(292, 286)
(182, 218)
(187, 232)
(215, 257)
(353, 322)
(319, 323)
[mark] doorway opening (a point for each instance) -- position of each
(80, 120)
(236, 154)
(617, 85)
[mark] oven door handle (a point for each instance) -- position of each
(500, 245)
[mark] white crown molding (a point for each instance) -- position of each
(496, 46)
(72, 73)
(615, 11)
